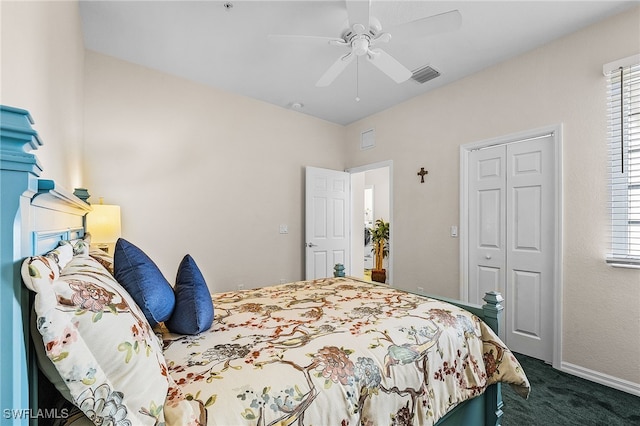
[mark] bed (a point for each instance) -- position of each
(333, 351)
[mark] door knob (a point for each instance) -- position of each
(311, 245)
(488, 256)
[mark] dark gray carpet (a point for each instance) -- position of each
(562, 399)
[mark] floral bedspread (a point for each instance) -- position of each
(337, 352)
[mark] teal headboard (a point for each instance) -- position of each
(35, 215)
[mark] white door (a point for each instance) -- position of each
(487, 258)
(327, 221)
(511, 238)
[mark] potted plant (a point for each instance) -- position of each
(380, 240)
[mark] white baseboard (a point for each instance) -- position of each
(603, 379)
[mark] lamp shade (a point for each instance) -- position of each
(103, 223)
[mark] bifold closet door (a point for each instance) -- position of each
(487, 222)
(511, 238)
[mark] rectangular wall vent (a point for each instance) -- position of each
(424, 74)
(368, 139)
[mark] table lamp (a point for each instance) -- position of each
(103, 223)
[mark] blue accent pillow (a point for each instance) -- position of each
(137, 273)
(193, 313)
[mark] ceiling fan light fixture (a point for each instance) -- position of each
(360, 46)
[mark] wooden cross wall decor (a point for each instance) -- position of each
(421, 173)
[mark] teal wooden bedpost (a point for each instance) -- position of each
(493, 310)
(493, 395)
(19, 171)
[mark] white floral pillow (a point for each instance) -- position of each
(98, 339)
(83, 246)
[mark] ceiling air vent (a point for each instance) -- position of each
(424, 74)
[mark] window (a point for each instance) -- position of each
(623, 104)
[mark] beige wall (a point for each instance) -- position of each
(200, 171)
(42, 54)
(558, 83)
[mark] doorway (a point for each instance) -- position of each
(511, 235)
(371, 199)
(369, 219)
(335, 217)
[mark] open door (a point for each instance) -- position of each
(327, 221)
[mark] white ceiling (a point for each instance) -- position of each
(230, 48)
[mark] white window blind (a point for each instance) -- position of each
(623, 104)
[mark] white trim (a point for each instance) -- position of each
(618, 264)
(559, 221)
(625, 62)
(373, 166)
(465, 149)
(602, 378)
(462, 225)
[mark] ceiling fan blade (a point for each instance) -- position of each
(287, 38)
(428, 26)
(358, 11)
(335, 70)
(389, 65)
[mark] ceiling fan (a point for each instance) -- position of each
(365, 34)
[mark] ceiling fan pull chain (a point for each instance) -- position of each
(357, 78)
